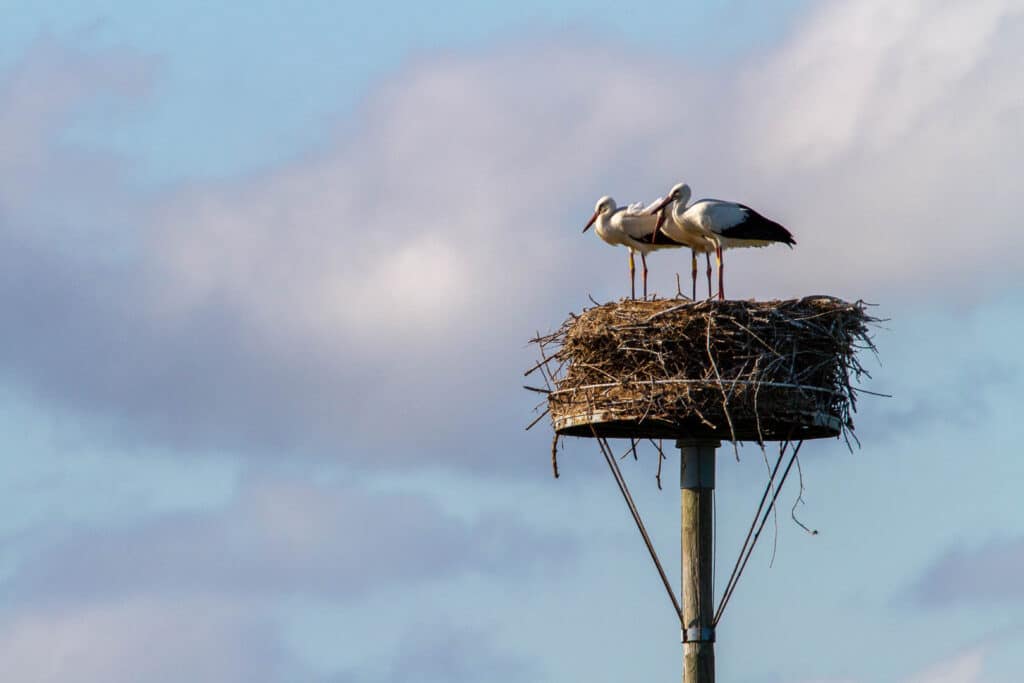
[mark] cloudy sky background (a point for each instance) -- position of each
(267, 277)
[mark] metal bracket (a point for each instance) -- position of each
(698, 635)
(698, 465)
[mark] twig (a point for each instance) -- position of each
(800, 500)
(661, 457)
(546, 411)
(725, 399)
(554, 455)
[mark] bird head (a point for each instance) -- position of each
(679, 193)
(604, 205)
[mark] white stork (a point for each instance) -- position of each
(679, 230)
(634, 227)
(725, 224)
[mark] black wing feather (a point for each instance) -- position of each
(658, 237)
(757, 227)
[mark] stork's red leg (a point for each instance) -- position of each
(707, 257)
(721, 279)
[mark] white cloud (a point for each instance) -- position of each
(204, 595)
(861, 75)
(340, 301)
(144, 640)
(219, 641)
(888, 131)
(965, 667)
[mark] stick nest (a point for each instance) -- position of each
(734, 370)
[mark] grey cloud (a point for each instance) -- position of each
(268, 316)
(370, 300)
(984, 573)
(149, 640)
(964, 395)
(173, 640)
(434, 654)
(284, 539)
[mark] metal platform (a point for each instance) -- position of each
(605, 424)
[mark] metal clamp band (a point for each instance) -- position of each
(698, 635)
(697, 467)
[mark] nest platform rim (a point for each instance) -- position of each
(602, 423)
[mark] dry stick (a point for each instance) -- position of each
(673, 309)
(725, 398)
(627, 451)
(661, 456)
(752, 334)
(554, 455)
(733, 385)
(530, 426)
(800, 499)
(616, 383)
(617, 475)
(858, 390)
(657, 476)
(549, 377)
(775, 528)
(757, 416)
(543, 361)
(544, 371)
(764, 454)
(750, 551)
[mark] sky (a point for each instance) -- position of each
(268, 277)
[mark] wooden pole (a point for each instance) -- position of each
(697, 485)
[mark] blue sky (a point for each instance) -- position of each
(242, 88)
(268, 277)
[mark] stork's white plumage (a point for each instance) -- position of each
(681, 231)
(726, 224)
(634, 227)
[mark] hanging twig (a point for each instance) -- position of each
(800, 501)
(661, 457)
(554, 455)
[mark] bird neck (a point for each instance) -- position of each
(676, 211)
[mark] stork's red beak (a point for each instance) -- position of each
(591, 221)
(661, 218)
(662, 204)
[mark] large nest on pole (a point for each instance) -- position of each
(733, 370)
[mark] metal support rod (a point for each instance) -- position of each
(697, 486)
